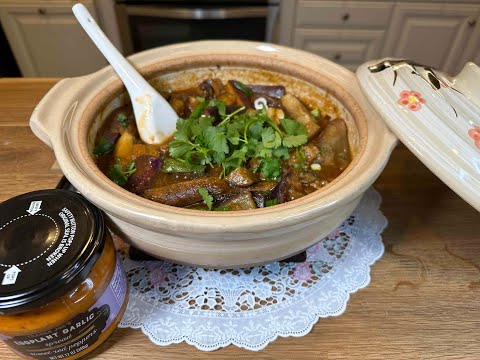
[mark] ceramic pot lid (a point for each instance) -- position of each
(436, 116)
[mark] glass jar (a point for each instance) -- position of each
(63, 290)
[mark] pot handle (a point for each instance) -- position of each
(47, 117)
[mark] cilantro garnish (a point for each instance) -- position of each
(104, 146)
(207, 198)
(296, 134)
(238, 137)
(271, 168)
(119, 174)
(123, 120)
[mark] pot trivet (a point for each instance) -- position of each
(250, 307)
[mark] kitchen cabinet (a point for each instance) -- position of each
(346, 47)
(46, 39)
(442, 34)
(433, 34)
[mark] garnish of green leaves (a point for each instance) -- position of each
(207, 198)
(236, 139)
(119, 174)
(123, 120)
(104, 146)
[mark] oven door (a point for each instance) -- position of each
(147, 26)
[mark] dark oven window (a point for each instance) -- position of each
(149, 32)
(145, 24)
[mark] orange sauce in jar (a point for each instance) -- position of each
(64, 291)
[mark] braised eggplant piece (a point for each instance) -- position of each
(225, 155)
(296, 110)
(241, 177)
(187, 192)
(259, 198)
(334, 147)
(275, 91)
(147, 168)
(280, 191)
(242, 201)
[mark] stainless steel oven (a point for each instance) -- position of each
(147, 24)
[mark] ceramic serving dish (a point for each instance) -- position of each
(68, 117)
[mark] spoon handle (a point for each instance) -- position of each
(133, 81)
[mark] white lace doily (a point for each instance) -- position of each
(251, 307)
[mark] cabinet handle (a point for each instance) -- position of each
(472, 22)
(42, 11)
(337, 56)
(345, 17)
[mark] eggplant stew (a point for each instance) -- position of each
(236, 147)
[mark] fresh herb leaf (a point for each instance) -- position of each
(253, 129)
(271, 168)
(120, 174)
(123, 120)
(104, 146)
(271, 202)
(178, 148)
(235, 160)
(292, 127)
(207, 198)
(296, 133)
(184, 130)
(262, 152)
(281, 153)
(243, 88)
(294, 140)
(217, 141)
(271, 139)
(233, 135)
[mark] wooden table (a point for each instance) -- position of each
(423, 300)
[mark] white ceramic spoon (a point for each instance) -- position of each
(155, 117)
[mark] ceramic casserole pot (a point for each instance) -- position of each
(69, 116)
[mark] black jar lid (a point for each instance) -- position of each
(49, 241)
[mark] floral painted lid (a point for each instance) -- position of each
(436, 116)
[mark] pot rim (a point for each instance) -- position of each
(90, 181)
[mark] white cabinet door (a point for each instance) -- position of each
(434, 34)
(472, 50)
(47, 40)
(349, 48)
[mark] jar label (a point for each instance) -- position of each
(79, 333)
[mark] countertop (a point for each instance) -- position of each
(423, 300)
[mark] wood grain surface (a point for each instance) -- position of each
(423, 300)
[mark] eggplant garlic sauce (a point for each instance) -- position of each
(236, 147)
